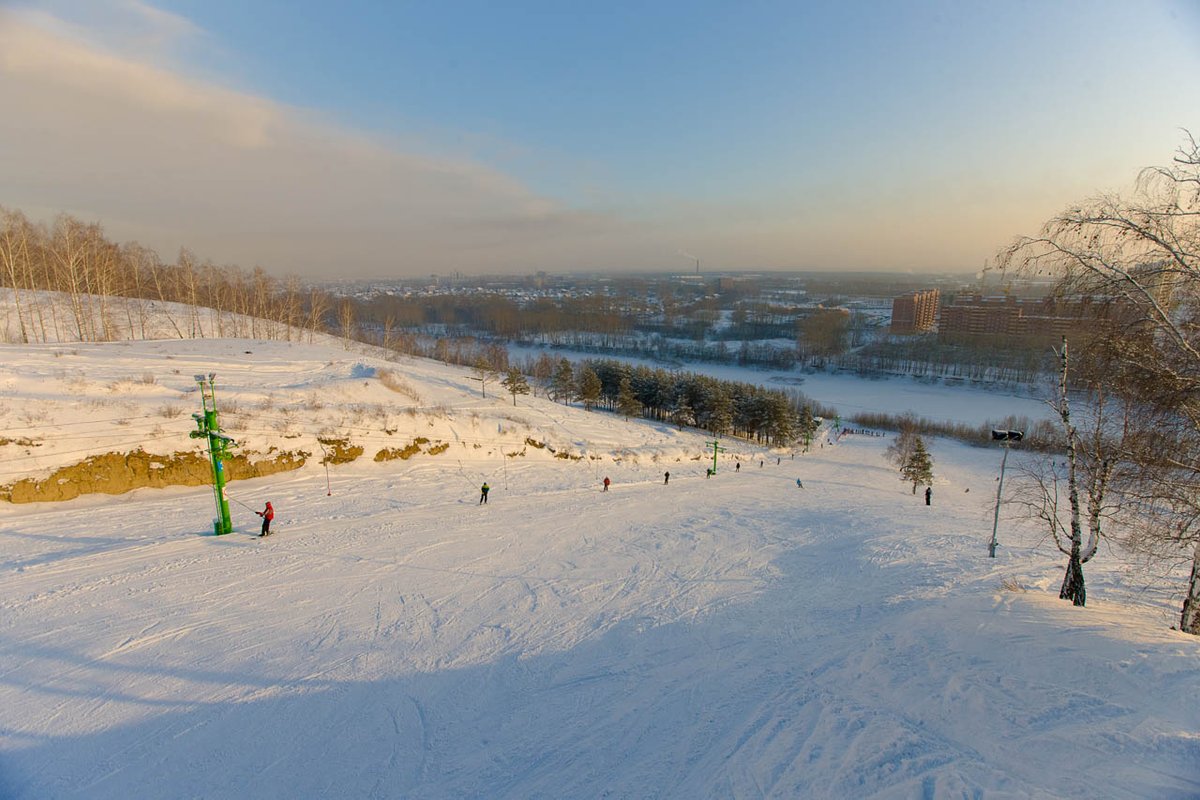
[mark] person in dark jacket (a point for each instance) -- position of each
(483, 490)
(267, 515)
(928, 494)
(666, 478)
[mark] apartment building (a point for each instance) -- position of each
(915, 312)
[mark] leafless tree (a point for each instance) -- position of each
(823, 333)
(318, 306)
(290, 307)
(485, 373)
(1138, 260)
(139, 265)
(1097, 438)
(900, 451)
(189, 291)
(16, 261)
(346, 325)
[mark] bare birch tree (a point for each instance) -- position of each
(15, 261)
(318, 306)
(1139, 258)
(346, 326)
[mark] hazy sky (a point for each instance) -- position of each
(354, 138)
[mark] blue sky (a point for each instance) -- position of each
(893, 136)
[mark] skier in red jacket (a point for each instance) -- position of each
(267, 515)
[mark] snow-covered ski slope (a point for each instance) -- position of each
(725, 637)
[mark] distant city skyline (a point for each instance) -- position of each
(379, 140)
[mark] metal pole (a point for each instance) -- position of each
(325, 461)
(209, 427)
(716, 446)
(999, 489)
(218, 445)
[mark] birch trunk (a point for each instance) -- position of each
(1073, 584)
(1189, 620)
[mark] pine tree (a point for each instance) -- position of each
(563, 382)
(589, 387)
(808, 426)
(720, 411)
(782, 422)
(627, 402)
(919, 466)
(515, 383)
(682, 413)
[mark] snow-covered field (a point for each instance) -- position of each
(726, 637)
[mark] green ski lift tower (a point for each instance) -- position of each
(716, 446)
(207, 427)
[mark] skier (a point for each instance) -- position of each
(666, 478)
(928, 494)
(483, 490)
(799, 484)
(738, 468)
(267, 515)
(606, 483)
(708, 472)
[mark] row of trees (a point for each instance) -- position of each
(108, 290)
(626, 324)
(925, 357)
(497, 315)
(1131, 425)
(751, 354)
(685, 399)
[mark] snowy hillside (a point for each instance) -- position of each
(728, 637)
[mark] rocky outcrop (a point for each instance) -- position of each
(117, 473)
(408, 451)
(339, 451)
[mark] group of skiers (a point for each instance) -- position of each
(268, 513)
(607, 482)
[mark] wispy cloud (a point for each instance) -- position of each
(160, 28)
(106, 114)
(172, 160)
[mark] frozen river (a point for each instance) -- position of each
(851, 394)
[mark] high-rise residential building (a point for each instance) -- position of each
(973, 316)
(915, 312)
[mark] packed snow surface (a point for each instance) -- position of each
(728, 637)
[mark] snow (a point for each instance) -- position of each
(725, 637)
(953, 402)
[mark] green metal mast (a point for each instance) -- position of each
(716, 446)
(207, 427)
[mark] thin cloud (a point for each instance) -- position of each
(158, 25)
(244, 179)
